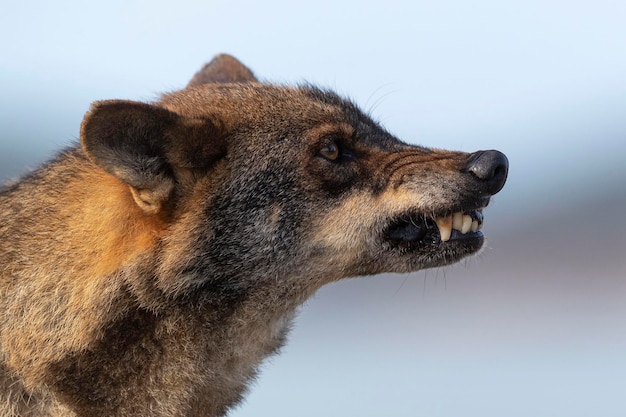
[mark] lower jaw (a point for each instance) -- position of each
(433, 240)
(432, 252)
(457, 248)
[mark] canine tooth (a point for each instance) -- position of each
(475, 226)
(445, 227)
(467, 224)
(457, 221)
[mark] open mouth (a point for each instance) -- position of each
(412, 230)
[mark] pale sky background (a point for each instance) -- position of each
(535, 326)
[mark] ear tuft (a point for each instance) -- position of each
(149, 147)
(125, 138)
(222, 69)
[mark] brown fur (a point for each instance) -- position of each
(149, 270)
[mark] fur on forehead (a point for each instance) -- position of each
(237, 104)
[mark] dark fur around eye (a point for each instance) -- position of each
(335, 151)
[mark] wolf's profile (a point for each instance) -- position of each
(150, 269)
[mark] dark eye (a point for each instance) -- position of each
(330, 151)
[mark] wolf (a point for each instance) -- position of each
(149, 269)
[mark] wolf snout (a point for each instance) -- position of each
(490, 167)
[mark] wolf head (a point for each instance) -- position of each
(257, 185)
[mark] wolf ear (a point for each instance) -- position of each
(222, 69)
(145, 146)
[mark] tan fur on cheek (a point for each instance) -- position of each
(345, 233)
(340, 234)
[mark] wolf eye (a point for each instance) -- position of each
(330, 151)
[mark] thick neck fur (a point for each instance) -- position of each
(107, 334)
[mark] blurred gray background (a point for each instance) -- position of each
(536, 324)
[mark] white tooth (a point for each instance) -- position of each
(457, 221)
(475, 226)
(445, 227)
(467, 224)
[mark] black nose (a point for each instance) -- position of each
(491, 167)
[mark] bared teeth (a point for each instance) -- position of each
(464, 223)
(467, 224)
(445, 227)
(457, 221)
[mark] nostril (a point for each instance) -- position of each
(500, 170)
(491, 167)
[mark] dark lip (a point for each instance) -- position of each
(414, 230)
